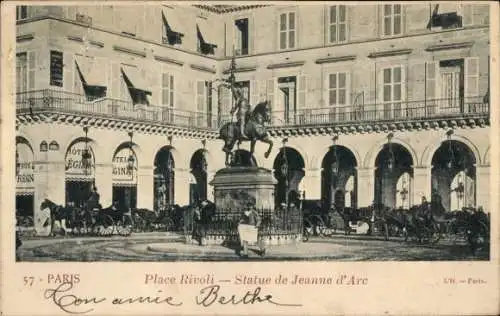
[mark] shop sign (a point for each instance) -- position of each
(122, 173)
(26, 177)
(74, 164)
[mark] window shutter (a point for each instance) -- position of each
(380, 85)
(271, 86)
(416, 75)
(69, 73)
(200, 95)
(467, 12)
(471, 77)
(171, 86)
(380, 14)
(115, 80)
(431, 73)
(254, 92)
(348, 86)
(32, 62)
(225, 102)
(302, 92)
(165, 91)
(403, 83)
(403, 19)
(262, 90)
(76, 85)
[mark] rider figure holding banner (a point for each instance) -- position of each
(241, 104)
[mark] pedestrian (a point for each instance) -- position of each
(248, 230)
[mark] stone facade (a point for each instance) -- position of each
(106, 43)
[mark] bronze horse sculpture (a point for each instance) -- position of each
(254, 128)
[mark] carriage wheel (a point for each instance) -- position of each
(169, 226)
(480, 239)
(108, 226)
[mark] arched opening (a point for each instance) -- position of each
(125, 177)
(198, 165)
(25, 181)
(338, 178)
(288, 170)
(80, 171)
(164, 176)
(453, 176)
(393, 176)
(243, 158)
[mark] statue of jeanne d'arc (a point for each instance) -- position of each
(241, 106)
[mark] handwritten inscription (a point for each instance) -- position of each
(70, 303)
(211, 295)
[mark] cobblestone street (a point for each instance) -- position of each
(161, 247)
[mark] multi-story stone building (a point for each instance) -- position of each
(371, 103)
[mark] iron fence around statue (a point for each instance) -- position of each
(224, 223)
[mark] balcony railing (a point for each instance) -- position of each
(52, 100)
(408, 111)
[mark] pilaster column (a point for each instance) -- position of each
(145, 187)
(366, 186)
(311, 184)
(483, 187)
(49, 183)
(422, 177)
(181, 183)
(104, 183)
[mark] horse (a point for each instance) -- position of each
(58, 214)
(254, 129)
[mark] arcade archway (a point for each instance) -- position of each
(339, 177)
(394, 177)
(80, 171)
(25, 179)
(453, 176)
(125, 176)
(198, 165)
(288, 170)
(164, 178)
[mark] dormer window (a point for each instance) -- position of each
(206, 45)
(171, 34)
(446, 18)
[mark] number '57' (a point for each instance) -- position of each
(28, 281)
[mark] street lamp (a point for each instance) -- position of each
(86, 155)
(284, 169)
(335, 163)
(131, 158)
(391, 161)
(460, 190)
(204, 164)
(450, 164)
(404, 191)
(18, 163)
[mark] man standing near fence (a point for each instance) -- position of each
(248, 230)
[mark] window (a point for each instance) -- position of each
(338, 24)
(447, 16)
(21, 12)
(287, 32)
(56, 68)
(392, 91)
(206, 44)
(337, 89)
(167, 90)
(171, 36)
(242, 37)
(392, 19)
(21, 72)
(204, 103)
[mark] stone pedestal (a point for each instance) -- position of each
(235, 187)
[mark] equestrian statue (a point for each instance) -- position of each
(249, 125)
